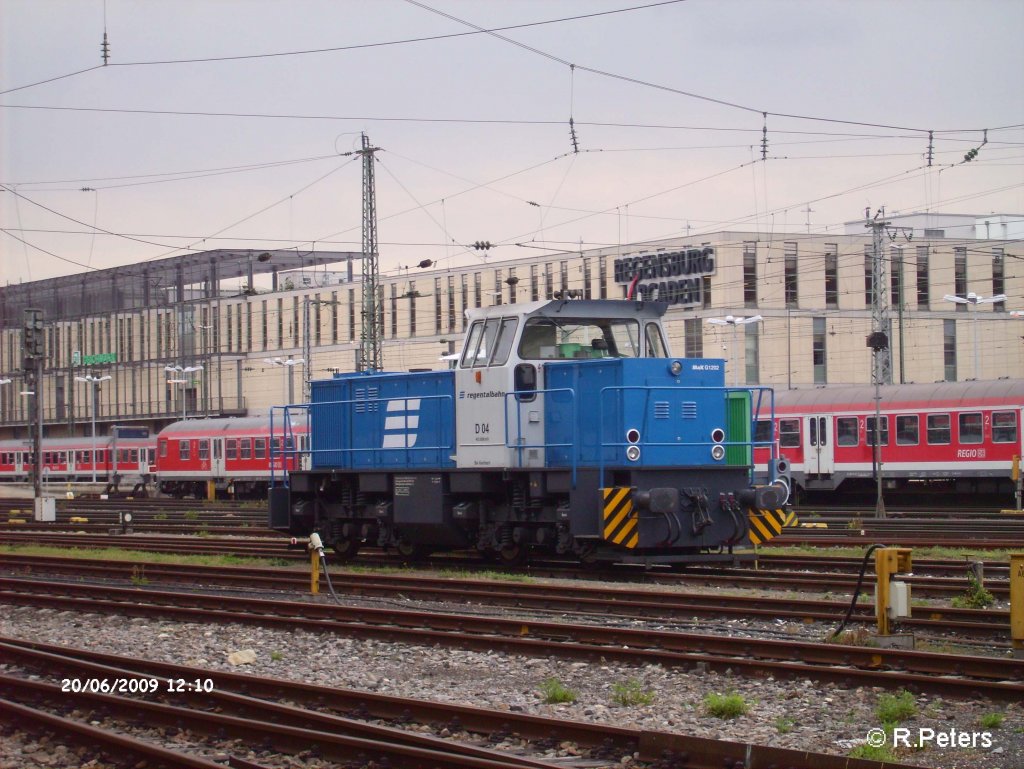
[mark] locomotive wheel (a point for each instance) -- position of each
(411, 553)
(346, 549)
(512, 555)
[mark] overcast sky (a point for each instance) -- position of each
(223, 123)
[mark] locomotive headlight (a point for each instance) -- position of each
(675, 368)
(717, 452)
(633, 435)
(633, 453)
(718, 435)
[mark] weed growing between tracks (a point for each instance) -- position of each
(872, 753)
(992, 720)
(890, 710)
(142, 556)
(555, 692)
(896, 708)
(725, 705)
(499, 576)
(976, 596)
(784, 724)
(630, 693)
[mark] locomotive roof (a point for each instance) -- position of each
(574, 308)
(1002, 391)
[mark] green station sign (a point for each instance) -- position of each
(77, 359)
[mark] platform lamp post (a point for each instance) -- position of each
(972, 299)
(95, 380)
(182, 380)
(287, 366)
(732, 320)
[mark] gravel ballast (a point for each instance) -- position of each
(799, 714)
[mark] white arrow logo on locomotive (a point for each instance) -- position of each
(401, 423)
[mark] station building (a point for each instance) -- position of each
(235, 332)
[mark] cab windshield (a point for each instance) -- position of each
(547, 339)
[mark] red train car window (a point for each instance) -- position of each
(907, 430)
(971, 430)
(260, 448)
(1004, 426)
(204, 450)
(869, 432)
(939, 431)
(183, 450)
(789, 433)
(231, 449)
(245, 448)
(847, 431)
(163, 448)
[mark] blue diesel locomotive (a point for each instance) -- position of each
(566, 428)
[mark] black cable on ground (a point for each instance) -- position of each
(856, 591)
(323, 562)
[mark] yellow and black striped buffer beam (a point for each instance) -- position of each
(620, 521)
(766, 524)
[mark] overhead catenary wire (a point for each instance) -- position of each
(681, 92)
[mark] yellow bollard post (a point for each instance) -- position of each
(1017, 603)
(314, 572)
(890, 561)
(211, 490)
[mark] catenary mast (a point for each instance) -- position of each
(370, 357)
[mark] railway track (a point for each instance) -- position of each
(849, 666)
(274, 542)
(931, 567)
(785, 573)
(328, 716)
(611, 603)
(600, 601)
(81, 505)
(148, 516)
(848, 527)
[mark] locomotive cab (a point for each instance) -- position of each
(501, 375)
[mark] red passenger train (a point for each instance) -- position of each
(238, 455)
(130, 459)
(959, 437)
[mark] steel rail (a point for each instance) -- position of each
(763, 579)
(849, 665)
(282, 737)
(682, 750)
(604, 600)
(802, 537)
(33, 719)
(845, 564)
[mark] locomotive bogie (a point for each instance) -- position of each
(650, 514)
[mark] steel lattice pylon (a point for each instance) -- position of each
(373, 304)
